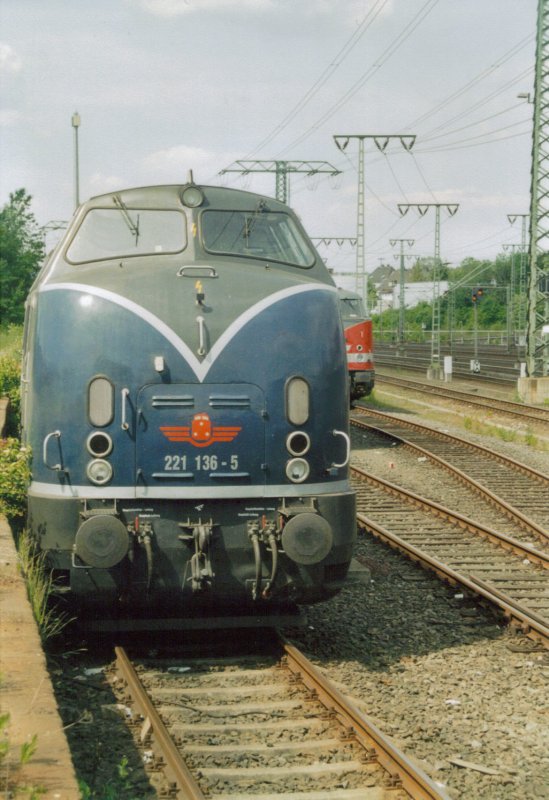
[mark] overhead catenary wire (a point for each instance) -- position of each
(483, 101)
(339, 58)
(426, 139)
(389, 51)
(481, 76)
(463, 144)
(439, 138)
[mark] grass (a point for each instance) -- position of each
(484, 429)
(528, 438)
(374, 401)
(11, 767)
(39, 587)
(11, 340)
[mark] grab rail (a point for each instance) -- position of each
(125, 425)
(58, 467)
(348, 445)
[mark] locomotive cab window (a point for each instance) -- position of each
(256, 234)
(353, 307)
(118, 232)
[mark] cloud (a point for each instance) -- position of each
(174, 8)
(100, 184)
(10, 62)
(9, 117)
(173, 164)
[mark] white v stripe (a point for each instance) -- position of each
(200, 368)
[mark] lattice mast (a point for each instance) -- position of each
(282, 171)
(402, 280)
(381, 141)
(423, 208)
(537, 341)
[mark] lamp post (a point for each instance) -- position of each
(75, 121)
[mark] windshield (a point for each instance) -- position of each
(116, 232)
(256, 234)
(352, 307)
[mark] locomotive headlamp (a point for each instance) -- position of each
(192, 197)
(99, 471)
(99, 444)
(297, 470)
(298, 443)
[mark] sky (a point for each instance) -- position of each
(165, 86)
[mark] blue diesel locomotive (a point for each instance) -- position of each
(185, 398)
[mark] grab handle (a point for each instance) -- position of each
(348, 447)
(57, 435)
(201, 336)
(124, 425)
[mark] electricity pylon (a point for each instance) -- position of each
(537, 322)
(522, 282)
(282, 169)
(381, 141)
(435, 370)
(515, 248)
(401, 295)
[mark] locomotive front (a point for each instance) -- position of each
(184, 395)
(357, 325)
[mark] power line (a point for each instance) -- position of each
(481, 76)
(489, 133)
(518, 79)
(340, 57)
(451, 146)
(426, 138)
(389, 51)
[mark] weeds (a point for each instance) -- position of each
(484, 429)
(374, 401)
(14, 477)
(11, 768)
(39, 587)
(11, 340)
(10, 387)
(113, 788)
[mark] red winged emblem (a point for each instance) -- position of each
(201, 432)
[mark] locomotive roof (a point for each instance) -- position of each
(170, 194)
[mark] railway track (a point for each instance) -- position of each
(519, 492)
(267, 728)
(496, 365)
(518, 410)
(509, 574)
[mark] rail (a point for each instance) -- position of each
(515, 514)
(356, 729)
(452, 529)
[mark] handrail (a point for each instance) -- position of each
(47, 438)
(348, 445)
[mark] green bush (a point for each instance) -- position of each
(14, 477)
(10, 386)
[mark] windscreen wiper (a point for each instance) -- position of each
(133, 226)
(249, 222)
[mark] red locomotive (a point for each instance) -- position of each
(359, 344)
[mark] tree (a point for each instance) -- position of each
(21, 253)
(422, 270)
